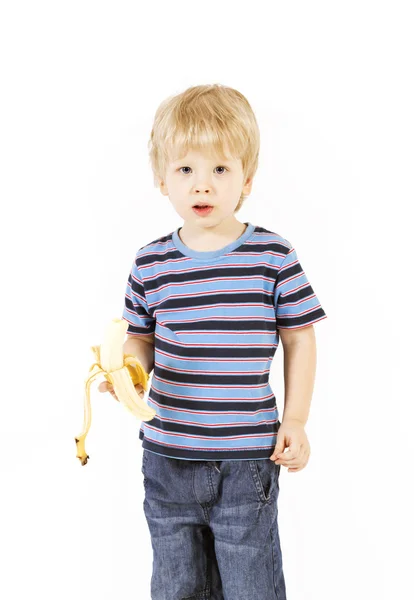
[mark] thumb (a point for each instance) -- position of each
(104, 386)
(280, 446)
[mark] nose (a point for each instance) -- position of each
(202, 185)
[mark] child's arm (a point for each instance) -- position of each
(141, 346)
(299, 350)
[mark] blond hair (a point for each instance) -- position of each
(205, 118)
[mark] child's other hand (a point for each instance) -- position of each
(105, 386)
(291, 434)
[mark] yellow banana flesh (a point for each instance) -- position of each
(123, 371)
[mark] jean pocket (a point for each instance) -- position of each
(265, 475)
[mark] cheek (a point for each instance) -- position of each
(230, 187)
(179, 183)
(180, 202)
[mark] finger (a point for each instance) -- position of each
(286, 457)
(110, 389)
(294, 465)
(286, 461)
(293, 452)
(106, 386)
(298, 463)
(299, 458)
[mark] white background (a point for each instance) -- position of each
(331, 85)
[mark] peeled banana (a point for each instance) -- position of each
(123, 371)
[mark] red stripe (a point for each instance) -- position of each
(206, 372)
(235, 398)
(203, 345)
(209, 386)
(216, 305)
(210, 360)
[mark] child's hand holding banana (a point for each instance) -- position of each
(105, 386)
(125, 377)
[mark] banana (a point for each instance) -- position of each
(123, 371)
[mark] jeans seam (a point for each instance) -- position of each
(273, 563)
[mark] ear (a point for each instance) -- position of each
(163, 188)
(247, 188)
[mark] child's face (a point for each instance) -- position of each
(199, 179)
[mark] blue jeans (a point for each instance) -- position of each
(213, 527)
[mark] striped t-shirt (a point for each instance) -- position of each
(215, 317)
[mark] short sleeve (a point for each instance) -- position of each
(136, 311)
(295, 301)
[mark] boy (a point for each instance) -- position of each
(206, 305)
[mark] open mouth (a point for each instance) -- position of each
(202, 209)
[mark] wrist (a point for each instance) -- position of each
(297, 420)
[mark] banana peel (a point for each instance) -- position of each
(123, 371)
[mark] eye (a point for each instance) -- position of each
(220, 167)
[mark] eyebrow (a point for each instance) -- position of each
(215, 160)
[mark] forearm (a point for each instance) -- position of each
(144, 351)
(299, 376)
